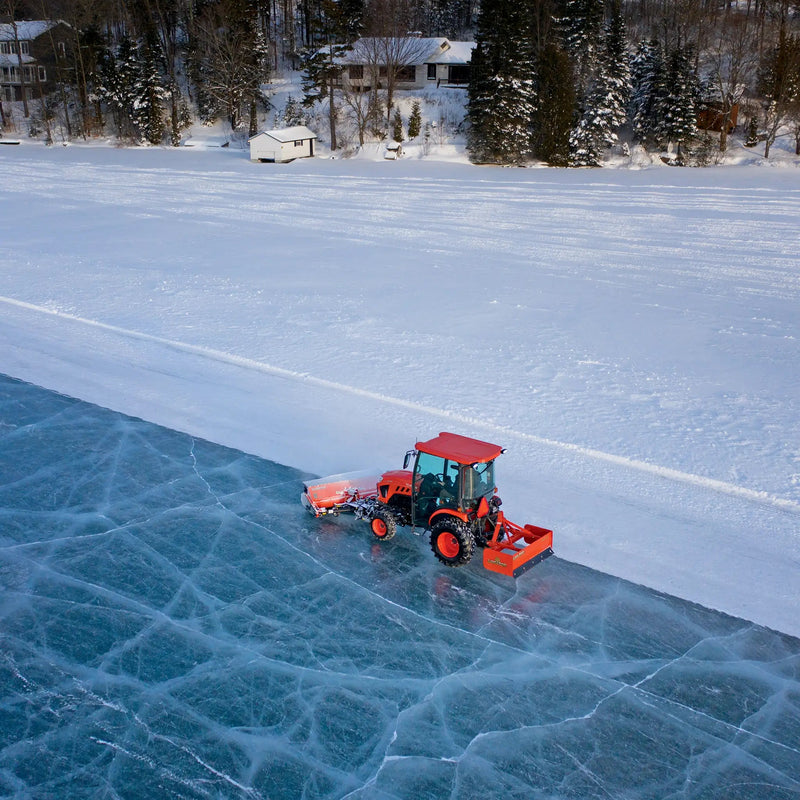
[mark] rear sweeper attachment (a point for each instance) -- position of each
(449, 492)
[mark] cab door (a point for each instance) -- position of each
(432, 486)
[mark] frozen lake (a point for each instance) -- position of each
(172, 623)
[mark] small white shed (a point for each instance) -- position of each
(282, 145)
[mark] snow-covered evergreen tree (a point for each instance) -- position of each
(293, 114)
(397, 126)
(677, 111)
(605, 106)
(648, 85)
(149, 96)
(615, 69)
(415, 120)
(115, 86)
(502, 96)
(555, 110)
(582, 30)
(132, 86)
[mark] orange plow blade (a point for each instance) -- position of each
(519, 551)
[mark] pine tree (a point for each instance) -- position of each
(415, 121)
(502, 96)
(120, 75)
(149, 96)
(293, 113)
(107, 85)
(605, 106)
(615, 70)
(582, 29)
(648, 87)
(678, 109)
(556, 106)
(397, 126)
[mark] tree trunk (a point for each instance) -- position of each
(253, 128)
(175, 127)
(332, 113)
(723, 131)
(22, 85)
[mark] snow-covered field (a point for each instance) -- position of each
(631, 336)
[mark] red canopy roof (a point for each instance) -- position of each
(460, 448)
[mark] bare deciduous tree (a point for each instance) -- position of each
(731, 63)
(387, 60)
(231, 58)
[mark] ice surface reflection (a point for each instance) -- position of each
(174, 624)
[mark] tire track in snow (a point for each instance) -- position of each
(668, 473)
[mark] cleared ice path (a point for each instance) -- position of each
(723, 545)
(173, 624)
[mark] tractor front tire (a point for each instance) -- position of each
(383, 525)
(452, 542)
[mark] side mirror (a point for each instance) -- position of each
(409, 456)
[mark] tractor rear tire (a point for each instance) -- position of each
(452, 542)
(383, 525)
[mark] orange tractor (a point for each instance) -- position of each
(450, 492)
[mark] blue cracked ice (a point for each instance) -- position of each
(173, 624)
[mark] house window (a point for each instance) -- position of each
(10, 49)
(355, 72)
(407, 73)
(431, 72)
(298, 143)
(42, 74)
(458, 73)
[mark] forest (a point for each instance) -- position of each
(558, 81)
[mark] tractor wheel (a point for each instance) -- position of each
(383, 524)
(452, 542)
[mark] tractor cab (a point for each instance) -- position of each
(451, 473)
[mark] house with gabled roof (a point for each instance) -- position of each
(30, 51)
(417, 62)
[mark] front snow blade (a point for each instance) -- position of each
(519, 551)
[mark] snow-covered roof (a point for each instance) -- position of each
(288, 134)
(417, 50)
(27, 29)
(15, 60)
(457, 53)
